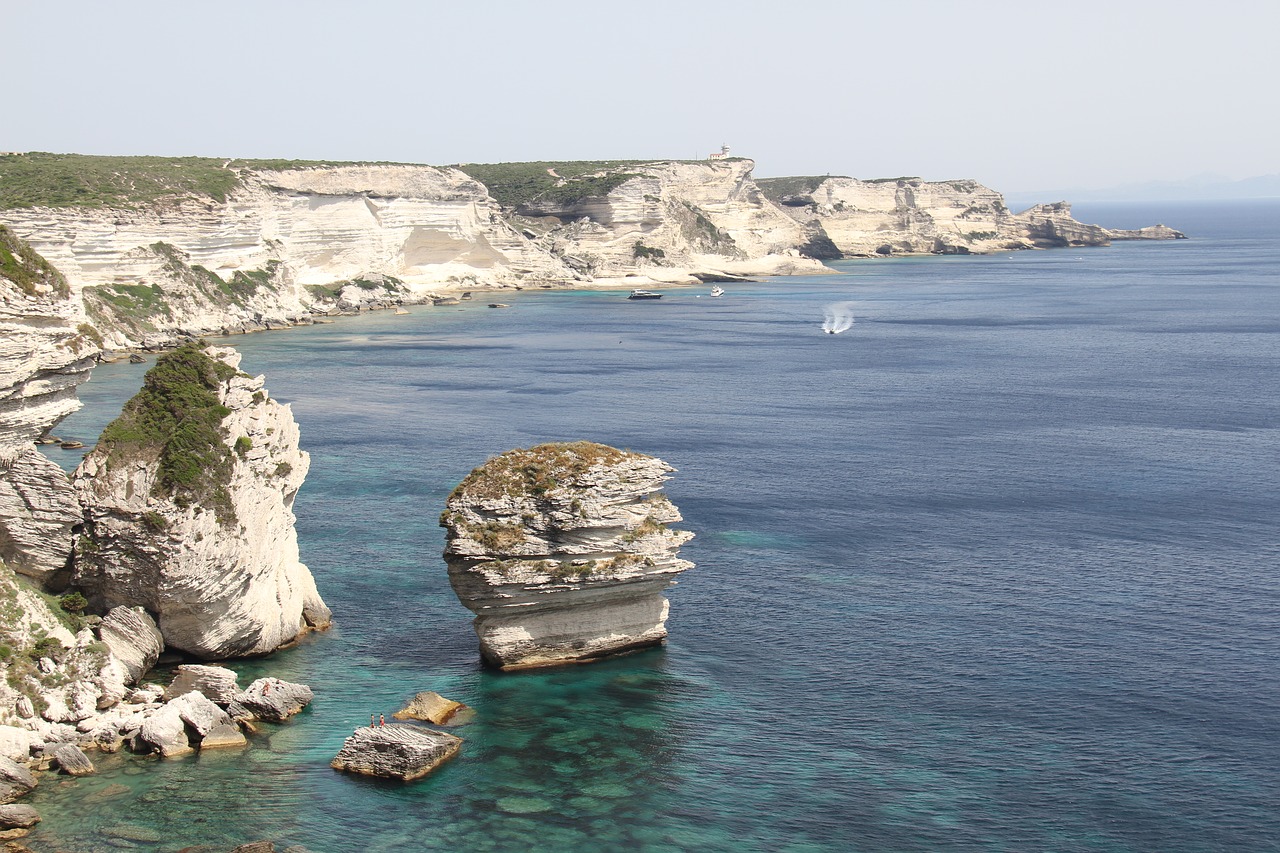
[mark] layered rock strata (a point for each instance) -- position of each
(46, 350)
(395, 752)
(191, 518)
(563, 552)
(667, 221)
(913, 216)
(282, 243)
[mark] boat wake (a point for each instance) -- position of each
(838, 317)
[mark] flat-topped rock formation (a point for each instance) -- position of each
(190, 517)
(563, 552)
(395, 751)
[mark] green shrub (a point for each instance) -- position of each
(243, 445)
(641, 251)
(284, 469)
(177, 417)
(73, 602)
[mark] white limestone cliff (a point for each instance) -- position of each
(46, 350)
(666, 220)
(913, 216)
(282, 243)
(563, 552)
(215, 560)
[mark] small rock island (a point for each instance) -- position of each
(563, 552)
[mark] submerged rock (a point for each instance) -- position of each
(431, 707)
(563, 552)
(188, 504)
(395, 752)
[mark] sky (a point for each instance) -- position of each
(1018, 95)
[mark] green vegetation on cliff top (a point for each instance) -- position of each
(177, 419)
(521, 184)
(38, 179)
(776, 189)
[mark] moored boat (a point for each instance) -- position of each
(644, 294)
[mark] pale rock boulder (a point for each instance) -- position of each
(271, 699)
(165, 732)
(217, 683)
(15, 780)
(38, 513)
(133, 639)
(16, 743)
(223, 736)
(395, 752)
(221, 584)
(563, 552)
(431, 707)
(72, 760)
(198, 712)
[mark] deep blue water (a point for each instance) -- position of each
(993, 570)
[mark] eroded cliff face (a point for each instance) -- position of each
(46, 350)
(283, 243)
(667, 220)
(563, 551)
(191, 518)
(913, 216)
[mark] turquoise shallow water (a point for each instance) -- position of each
(992, 570)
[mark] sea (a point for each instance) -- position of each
(992, 569)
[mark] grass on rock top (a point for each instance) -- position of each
(26, 268)
(39, 179)
(177, 419)
(537, 470)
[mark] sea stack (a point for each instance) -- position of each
(563, 552)
(188, 503)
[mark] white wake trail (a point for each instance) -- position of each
(838, 317)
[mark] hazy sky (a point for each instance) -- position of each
(1020, 95)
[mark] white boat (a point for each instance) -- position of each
(644, 294)
(717, 290)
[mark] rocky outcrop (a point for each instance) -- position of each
(131, 635)
(912, 216)
(217, 683)
(430, 707)
(664, 221)
(281, 243)
(563, 552)
(72, 761)
(395, 752)
(271, 699)
(15, 780)
(46, 350)
(191, 518)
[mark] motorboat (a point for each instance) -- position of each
(717, 290)
(644, 294)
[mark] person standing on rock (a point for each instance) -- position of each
(382, 721)
(372, 721)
